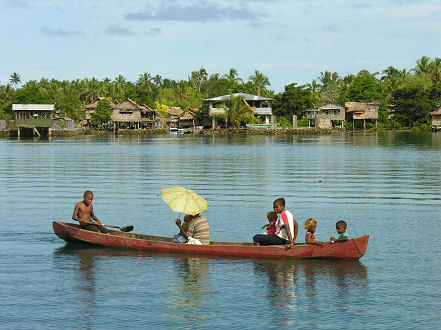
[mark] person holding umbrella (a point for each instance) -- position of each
(195, 227)
(196, 231)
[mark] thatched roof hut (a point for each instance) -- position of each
(436, 119)
(362, 110)
(174, 112)
(127, 111)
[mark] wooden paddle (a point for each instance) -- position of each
(124, 229)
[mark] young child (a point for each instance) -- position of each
(83, 213)
(340, 226)
(270, 227)
(310, 225)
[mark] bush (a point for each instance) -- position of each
(283, 122)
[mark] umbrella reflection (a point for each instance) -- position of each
(188, 294)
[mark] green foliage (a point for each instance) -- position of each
(293, 101)
(415, 92)
(237, 111)
(283, 122)
(413, 105)
(161, 108)
(31, 93)
(364, 88)
(102, 114)
(69, 105)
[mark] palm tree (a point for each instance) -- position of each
(237, 111)
(15, 79)
(144, 80)
(119, 82)
(6, 94)
(260, 81)
(423, 65)
(233, 76)
(326, 78)
(436, 67)
(157, 80)
(389, 74)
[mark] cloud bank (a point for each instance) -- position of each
(195, 12)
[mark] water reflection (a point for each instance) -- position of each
(86, 283)
(289, 282)
(189, 291)
(186, 293)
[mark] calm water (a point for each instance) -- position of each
(387, 185)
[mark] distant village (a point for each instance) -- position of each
(132, 116)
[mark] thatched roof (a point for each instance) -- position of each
(128, 104)
(361, 106)
(93, 105)
(145, 108)
(436, 112)
(330, 106)
(187, 115)
(175, 111)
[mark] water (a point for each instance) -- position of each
(386, 185)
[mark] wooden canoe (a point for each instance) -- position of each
(352, 249)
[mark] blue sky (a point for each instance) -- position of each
(289, 41)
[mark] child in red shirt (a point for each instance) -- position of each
(270, 227)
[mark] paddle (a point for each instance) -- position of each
(124, 229)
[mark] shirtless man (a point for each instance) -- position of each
(83, 213)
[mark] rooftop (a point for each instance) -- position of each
(247, 97)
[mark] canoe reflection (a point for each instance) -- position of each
(289, 282)
(185, 294)
(188, 290)
(83, 259)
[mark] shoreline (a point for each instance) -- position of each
(219, 132)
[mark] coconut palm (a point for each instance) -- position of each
(389, 74)
(157, 80)
(259, 81)
(233, 76)
(237, 111)
(198, 77)
(436, 69)
(6, 94)
(119, 83)
(144, 80)
(15, 79)
(423, 65)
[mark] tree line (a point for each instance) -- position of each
(409, 94)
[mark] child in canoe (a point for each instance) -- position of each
(340, 226)
(271, 226)
(83, 213)
(310, 225)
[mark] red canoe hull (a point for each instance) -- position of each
(353, 249)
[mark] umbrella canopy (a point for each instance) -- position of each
(184, 200)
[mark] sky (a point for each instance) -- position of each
(289, 41)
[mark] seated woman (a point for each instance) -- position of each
(195, 229)
(286, 228)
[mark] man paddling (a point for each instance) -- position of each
(83, 213)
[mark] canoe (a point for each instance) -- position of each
(352, 249)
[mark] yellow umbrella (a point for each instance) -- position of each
(184, 200)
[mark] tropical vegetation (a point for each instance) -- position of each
(407, 96)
